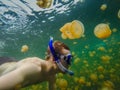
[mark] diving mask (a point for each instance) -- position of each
(57, 58)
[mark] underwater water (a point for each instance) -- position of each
(96, 61)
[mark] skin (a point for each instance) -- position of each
(30, 71)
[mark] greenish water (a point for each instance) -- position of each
(18, 28)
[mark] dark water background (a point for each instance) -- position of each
(33, 26)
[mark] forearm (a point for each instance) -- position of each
(52, 85)
(10, 81)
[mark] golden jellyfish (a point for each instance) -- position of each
(62, 83)
(119, 13)
(100, 68)
(24, 48)
(101, 76)
(114, 30)
(94, 77)
(88, 84)
(76, 79)
(92, 53)
(102, 31)
(77, 60)
(66, 31)
(103, 7)
(105, 58)
(72, 30)
(108, 85)
(77, 28)
(101, 48)
(59, 75)
(82, 80)
(44, 3)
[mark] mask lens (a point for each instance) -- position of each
(68, 59)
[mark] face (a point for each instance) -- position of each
(61, 52)
(65, 57)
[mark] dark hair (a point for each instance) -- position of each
(58, 46)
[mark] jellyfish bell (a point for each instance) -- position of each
(93, 77)
(77, 28)
(119, 13)
(63, 36)
(24, 48)
(62, 83)
(72, 30)
(44, 3)
(66, 33)
(102, 31)
(103, 7)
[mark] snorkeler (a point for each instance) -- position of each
(34, 70)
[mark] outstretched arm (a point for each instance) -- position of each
(11, 80)
(19, 76)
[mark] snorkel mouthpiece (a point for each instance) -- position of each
(57, 59)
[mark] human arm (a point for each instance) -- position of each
(17, 77)
(52, 85)
(11, 80)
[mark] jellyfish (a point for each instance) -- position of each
(44, 3)
(105, 58)
(114, 30)
(72, 30)
(66, 31)
(88, 84)
(94, 77)
(77, 28)
(62, 83)
(119, 13)
(82, 80)
(24, 48)
(100, 68)
(77, 60)
(103, 7)
(101, 48)
(59, 75)
(76, 79)
(108, 85)
(102, 31)
(101, 76)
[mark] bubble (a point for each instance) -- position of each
(102, 31)
(44, 3)
(24, 48)
(103, 7)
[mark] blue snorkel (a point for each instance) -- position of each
(57, 60)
